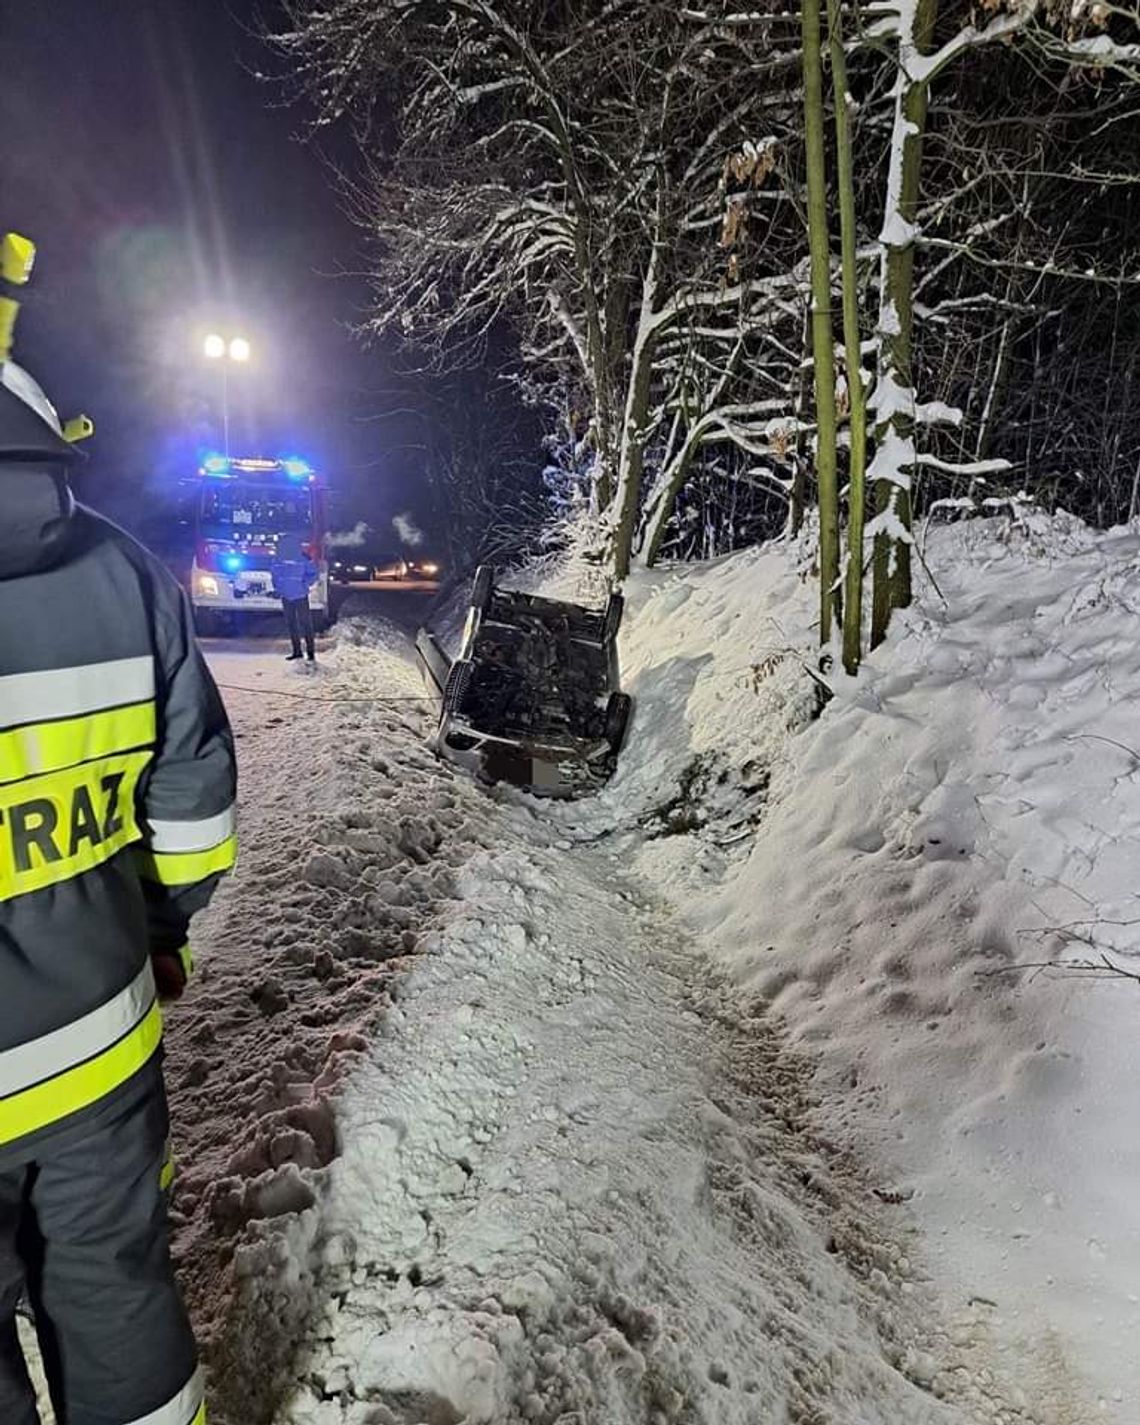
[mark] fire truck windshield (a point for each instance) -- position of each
(240, 507)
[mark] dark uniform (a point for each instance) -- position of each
(117, 792)
(294, 574)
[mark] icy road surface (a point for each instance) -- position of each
(469, 1134)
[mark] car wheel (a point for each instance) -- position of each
(207, 623)
(617, 719)
(612, 621)
(458, 680)
(483, 587)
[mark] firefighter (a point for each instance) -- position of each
(117, 788)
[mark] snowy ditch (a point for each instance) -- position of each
(497, 1143)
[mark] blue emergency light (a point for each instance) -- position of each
(216, 465)
(232, 562)
(296, 469)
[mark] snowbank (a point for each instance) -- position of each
(967, 809)
(875, 1169)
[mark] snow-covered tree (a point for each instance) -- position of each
(822, 337)
(609, 197)
(559, 171)
(1078, 37)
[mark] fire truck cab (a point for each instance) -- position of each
(241, 509)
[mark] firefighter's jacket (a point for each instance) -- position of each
(117, 791)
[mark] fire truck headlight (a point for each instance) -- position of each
(207, 586)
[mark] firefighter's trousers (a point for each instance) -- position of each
(83, 1228)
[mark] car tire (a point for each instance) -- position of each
(483, 587)
(618, 710)
(207, 623)
(458, 680)
(613, 615)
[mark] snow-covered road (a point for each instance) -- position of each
(349, 837)
(471, 1133)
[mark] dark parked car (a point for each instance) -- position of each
(533, 697)
(348, 571)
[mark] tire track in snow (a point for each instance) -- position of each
(581, 1186)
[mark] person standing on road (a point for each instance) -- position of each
(294, 574)
(117, 786)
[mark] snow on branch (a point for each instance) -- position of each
(1041, 269)
(888, 523)
(921, 69)
(894, 459)
(968, 467)
(938, 413)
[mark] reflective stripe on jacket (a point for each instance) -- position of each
(117, 789)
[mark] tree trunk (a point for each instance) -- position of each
(823, 350)
(609, 357)
(894, 463)
(631, 463)
(997, 381)
(673, 478)
(856, 481)
(799, 474)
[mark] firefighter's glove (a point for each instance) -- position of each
(172, 969)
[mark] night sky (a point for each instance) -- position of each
(168, 196)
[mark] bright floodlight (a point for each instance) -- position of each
(239, 349)
(214, 346)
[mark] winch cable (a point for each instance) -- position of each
(320, 698)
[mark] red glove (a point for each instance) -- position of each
(171, 972)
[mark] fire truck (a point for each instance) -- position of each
(240, 509)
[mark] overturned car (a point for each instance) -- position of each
(533, 697)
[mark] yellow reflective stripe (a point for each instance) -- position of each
(36, 1060)
(186, 955)
(41, 747)
(166, 1174)
(83, 1085)
(200, 1417)
(57, 826)
(184, 868)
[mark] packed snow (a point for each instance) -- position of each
(351, 835)
(963, 813)
(766, 1086)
